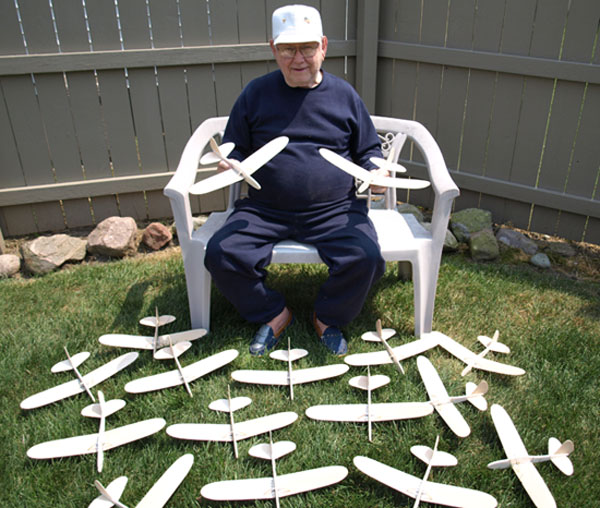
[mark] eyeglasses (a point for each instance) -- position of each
(290, 51)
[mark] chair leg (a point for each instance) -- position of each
(404, 271)
(424, 295)
(198, 281)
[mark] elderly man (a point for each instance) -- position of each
(302, 196)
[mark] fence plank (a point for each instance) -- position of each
(194, 23)
(11, 42)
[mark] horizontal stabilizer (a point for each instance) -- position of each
(274, 451)
(292, 355)
(110, 407)
(109, 495)
(437, 459)
(475, 395)
(389, 165)
(225, 405)
(161, 321)
(492, 343)
(211, 158)
(559, 454)
(374, 336)
(75, 361)
(369, 382)
(178, 349)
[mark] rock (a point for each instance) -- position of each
(199, 221)
(561, 248)
(540, 260)
(412, 209)
(517, 240)
(468, 221)
(483, 245)
(9, 265)
(47, 253)
(450, 241)
(114, 237)
(156, 236)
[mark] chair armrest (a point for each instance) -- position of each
(177, 190)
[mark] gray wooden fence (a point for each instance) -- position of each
(98, 97)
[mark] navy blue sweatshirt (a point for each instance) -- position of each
(331, 115)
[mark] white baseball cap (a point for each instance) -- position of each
(297, 23)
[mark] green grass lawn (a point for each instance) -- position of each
(551, 323)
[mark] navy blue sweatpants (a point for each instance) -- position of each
(237, 254)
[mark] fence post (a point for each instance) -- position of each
(367, 35)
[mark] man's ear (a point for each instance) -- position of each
(324, 45)
(273, 49)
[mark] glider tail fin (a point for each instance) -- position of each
(559, 455)
(475, 395)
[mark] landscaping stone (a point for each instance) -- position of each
(540, 260)
(9, 265)
(408, 208)
(156, 236)
(198, 221)
(468, 221)
(483, 245)
(561, 248)
(450, 241)
(516, 240)
(47, 253)
(114, 237)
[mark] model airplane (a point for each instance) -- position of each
(234, 431)
(156, 497)
(289, 377)
(89, 443)
(444, 404)
(469, 358)
(490, 345)
(181, 375)
(402, 352)
(239, 170)
(381, 335)
(156, 341)
(421, 489)
(101, 411)
(370, 412)
(82, 383)
(277, 486)
(523, 463)
(367, 177)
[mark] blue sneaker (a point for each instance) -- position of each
(266, 339)
(332, 338)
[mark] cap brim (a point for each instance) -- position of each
(292, 38)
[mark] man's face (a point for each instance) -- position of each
(298, 67)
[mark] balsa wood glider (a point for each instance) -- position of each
(421, 489)
(234, 431)
(402, 352)
(277, 486)
(82, 383)
(369, 413)
(468, 357)
(239, 170)
(156, 497)
(367, 177)
(289, 377)
(444, 404)
(82, 445)
(382, 335)
(523, 464)
(490, 344)
(181, 375)
(102, 410)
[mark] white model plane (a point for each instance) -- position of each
(402, 352)
(523, 464)
(382, 335)
(444, 404)
(490, 344)
(369, 413)
(156, 341)
(82, 383)
(234, 431)
(102, 410)
(421, 489)
(277, 486)
(239, 170)
(469, 358)
(90, 443)
(181, 375)
(289, 377)
(367, 177)
(156, 497)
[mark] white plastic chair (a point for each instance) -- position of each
(401, 236)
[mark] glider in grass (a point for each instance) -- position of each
(369, 412)
(444, 404)
(523, 464)
(239, 170)
(82, 383)
(421, 489)
(367, 177)
(233, 431)
(277, 486)
(156, 497)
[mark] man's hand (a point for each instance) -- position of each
(379, 189)
(223, 166)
